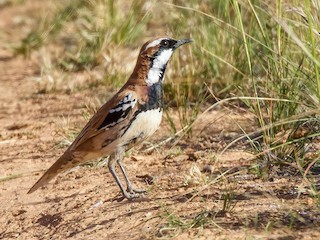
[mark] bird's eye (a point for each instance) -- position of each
(165, 43)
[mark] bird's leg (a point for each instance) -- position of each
(126, 194)
(129, 185)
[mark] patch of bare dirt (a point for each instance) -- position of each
(193, 193)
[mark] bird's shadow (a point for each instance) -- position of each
(54, 222)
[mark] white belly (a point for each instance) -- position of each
(145, 124)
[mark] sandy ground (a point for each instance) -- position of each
(187, 184)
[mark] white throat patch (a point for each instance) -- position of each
(155, 72)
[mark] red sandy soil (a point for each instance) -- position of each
(186, 183)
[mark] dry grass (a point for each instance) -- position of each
(257, 58)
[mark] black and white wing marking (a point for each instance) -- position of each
(119, 112)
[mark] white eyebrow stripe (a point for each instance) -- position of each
(154, 43)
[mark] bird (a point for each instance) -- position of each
(131, 116)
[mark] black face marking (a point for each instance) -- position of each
(119, 112)
(167, 43)
(164, 44)
(162, 73)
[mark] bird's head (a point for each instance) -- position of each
(156, 53)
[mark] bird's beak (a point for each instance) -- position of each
(181, 42)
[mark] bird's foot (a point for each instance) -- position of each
(136, 191)
(129, 195)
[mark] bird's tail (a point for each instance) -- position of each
(62, 164)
